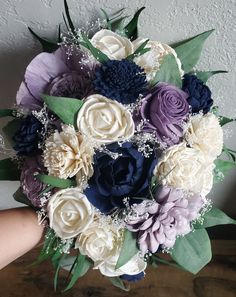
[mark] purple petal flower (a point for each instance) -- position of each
(174, 213)
(164, 111)
(30, 185)
(54, 74)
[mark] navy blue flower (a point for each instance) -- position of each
(199, 94)
(115, 179)
(132, 278)
(121, 80)
(28, 136)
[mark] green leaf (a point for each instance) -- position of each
(225, 120)
(10, 129)
(65, 108)
(100, 56)
(108, 23)
(189, 51)
(118, 25)
(193, 251)
(117, 282)
(214, 217)
(57, 259)
(7, 113)
(222, 168)
(9, 170)
(215, 110)
(82, 266)
(128, 250)
(70, 23)
(55, 181)
(47, 45)
(168, 72)
(131, 29)
(205, 75)
(20, 197)
(139, 51)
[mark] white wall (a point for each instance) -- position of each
(164, 20)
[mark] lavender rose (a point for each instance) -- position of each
(30, 185)
(164, 111)
(54, 74)
(159, 222)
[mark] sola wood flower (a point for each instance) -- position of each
(159, 222)
(67, 153)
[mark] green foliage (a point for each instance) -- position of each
(9, 170)
(7, 113)
(65, 108)
(131, 29)
(214, 217)
(189, 51)
(193, 251)
(55, 181)
(222, 168)
(20, 197)
(69, 22)
(10, 130)
(117, 282)
(225, 120)
(139, 51)
(128, 250)
(47, 46)
(168, 72)
(205, 75)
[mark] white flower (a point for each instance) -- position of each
(100, 241)
(113, 45)
(104, 120)
(69, 212)
(205, 134)
(134, 266)
(67, 153)
(186, 168)
(151, 60)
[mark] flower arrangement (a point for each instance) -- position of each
(116, 143)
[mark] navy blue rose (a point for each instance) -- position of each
(28, 136)
(121, 80)
(132, 278)
(115, 179)
(199, 94)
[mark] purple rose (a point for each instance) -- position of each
(30, 185)
(164, 111)
(159, 222)
(54, 74)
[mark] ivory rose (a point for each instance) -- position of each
(116, 47)
(67, 153)
(186, 168)
(105, 120)
(69, 212)
(205, 134)
(151, 60)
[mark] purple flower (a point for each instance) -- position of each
(164, 111)
(54, 74)
(159, 222)
(30, 185)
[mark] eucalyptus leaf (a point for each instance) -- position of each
(214, 217)
(56, 181)
(128, 250)
(193, 251)
(189, 51)
(9, 170)
(117, 282)
(168, 72)
(65, 108)
(205, 75)
(131, 29)
(7, 113)
(82, 266)
(48, 46)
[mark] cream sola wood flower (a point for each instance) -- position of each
(104, 120)
(68, 153)
(186, 168)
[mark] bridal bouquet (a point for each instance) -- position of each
(116, 143)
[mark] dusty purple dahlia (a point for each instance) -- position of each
(30, 185)
(54, 74)
(159, 222)
(164, 112)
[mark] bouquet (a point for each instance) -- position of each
(116, 142)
